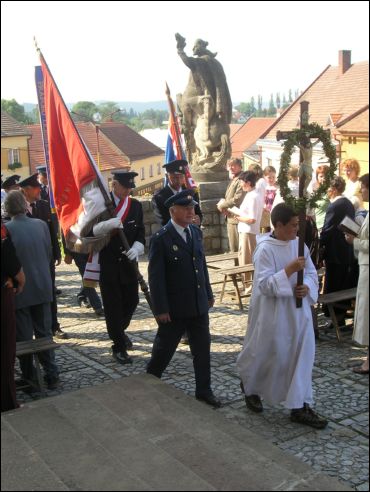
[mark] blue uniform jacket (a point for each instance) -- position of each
(178, 275)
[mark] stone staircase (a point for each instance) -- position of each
(138, 433)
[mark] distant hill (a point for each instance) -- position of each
(138, 107)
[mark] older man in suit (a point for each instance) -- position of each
(31, 239)
(181, 293)
(233, 198)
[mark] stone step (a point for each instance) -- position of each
(139, 433)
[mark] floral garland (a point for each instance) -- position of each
(293, 140)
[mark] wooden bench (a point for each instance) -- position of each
(213, 260)
(34, 347)
(234, 274)
(332, 300)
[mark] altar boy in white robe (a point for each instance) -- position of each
(279, 347)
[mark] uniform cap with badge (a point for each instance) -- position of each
(176, 167)
(125, 178)
(30, 181)
(11, 181)
(184, 198)
(41, 170)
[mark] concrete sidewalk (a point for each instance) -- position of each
(340, 451)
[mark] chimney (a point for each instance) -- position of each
(344, 61)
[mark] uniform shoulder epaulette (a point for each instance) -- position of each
(161, 232)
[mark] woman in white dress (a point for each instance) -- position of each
(361, 245)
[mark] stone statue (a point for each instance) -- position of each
(305, 168)
(205, 109)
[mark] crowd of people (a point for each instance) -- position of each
(276, 362)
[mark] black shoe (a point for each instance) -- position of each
(52, 382)
(58, 333)
(83, 302)
(254, 403)
(184, 340)
(128, 342)
(307, 416)
(122, 357)
(210, 399)
(99, 312)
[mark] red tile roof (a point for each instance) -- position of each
(110, 157)
(244, 136)
(10, 127)
(356, 123)
(133, 145)
(331, 93)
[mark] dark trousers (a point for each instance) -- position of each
(167, 340)
(339, 277)
(55, 325)
(8, 398)
(86, 292)
(36, 320)
(120, 302)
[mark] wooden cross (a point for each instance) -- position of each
(304, 144)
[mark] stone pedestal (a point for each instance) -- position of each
(212, 188)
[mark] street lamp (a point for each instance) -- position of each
(95, 120)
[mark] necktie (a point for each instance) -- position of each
(33, 208)
(188, 236)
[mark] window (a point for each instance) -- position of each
(159, 169)
(13, 156)
(151, 171)
(142, 173)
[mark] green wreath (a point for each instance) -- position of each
(294, 139)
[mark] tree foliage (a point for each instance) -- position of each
(84, 111)
(15, 110)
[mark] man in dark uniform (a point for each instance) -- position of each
(118, 281)
(10, 183)
(45, 195)
(44, 183)
(176, 183)
(40, 209)
(181, 293)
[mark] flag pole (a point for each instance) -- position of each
(108, 202)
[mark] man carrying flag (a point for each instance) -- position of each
(82, 202)
(178, 177)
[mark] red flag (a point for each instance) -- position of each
(72, 171)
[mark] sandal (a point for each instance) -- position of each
(360, 370)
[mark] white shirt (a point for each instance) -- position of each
(251, 207)
(180, 230)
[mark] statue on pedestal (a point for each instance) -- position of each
(205, 109)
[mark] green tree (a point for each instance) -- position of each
(259, 102)
(290, 98)
(277, 100)
(84, 111)
(252, 106)
(110, 111)
(15, 110)
(272, 110)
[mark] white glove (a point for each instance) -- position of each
(106, 226)
(136, 250)
(221, 205)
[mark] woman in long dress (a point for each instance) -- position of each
(361, 244)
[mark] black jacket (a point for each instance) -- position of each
(332, 240)
(112, 258)
(162, 213)
(42, 211)
(178, 275)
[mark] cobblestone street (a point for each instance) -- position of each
(341, 450)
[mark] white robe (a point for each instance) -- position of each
(361, 244)
(279, 347)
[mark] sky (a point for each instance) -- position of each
(126, 50)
